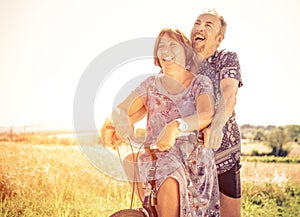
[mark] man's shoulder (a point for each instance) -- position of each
(225, 52)
(225, 57)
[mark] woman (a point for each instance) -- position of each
(177, 104)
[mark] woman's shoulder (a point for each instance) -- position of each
(149, 81)
(146, 84)
(200, 78)
(201, 84)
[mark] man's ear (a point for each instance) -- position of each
(220, 39)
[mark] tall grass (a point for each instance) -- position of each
(270, 200)
(270, 189)
(58, 181)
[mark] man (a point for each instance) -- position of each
(223, 133)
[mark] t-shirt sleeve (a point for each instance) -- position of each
(229, 66)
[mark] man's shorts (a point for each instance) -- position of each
(230, 182)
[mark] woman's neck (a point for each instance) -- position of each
(177, 82)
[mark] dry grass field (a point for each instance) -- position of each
(56, 180)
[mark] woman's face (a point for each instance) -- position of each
(170, 52)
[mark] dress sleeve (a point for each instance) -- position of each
(206, 69)
(142, 89)
(229, 66)
(202, 84)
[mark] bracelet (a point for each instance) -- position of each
(182, 125)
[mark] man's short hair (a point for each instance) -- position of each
(213, 11)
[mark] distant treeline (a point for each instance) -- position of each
(46, 137)
(279, 139)
(259, 133)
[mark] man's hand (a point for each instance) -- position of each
(167, 136)
(213, 136)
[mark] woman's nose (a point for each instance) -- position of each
(166, 51)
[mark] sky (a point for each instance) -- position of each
(45, 47)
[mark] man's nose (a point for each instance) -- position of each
(201, 27)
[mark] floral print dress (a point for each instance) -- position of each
(188, 162)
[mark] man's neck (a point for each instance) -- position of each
(206, 55)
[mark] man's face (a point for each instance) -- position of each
(205, 35)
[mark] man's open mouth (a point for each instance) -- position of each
(199, 37)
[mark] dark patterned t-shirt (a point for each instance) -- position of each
(225, 64)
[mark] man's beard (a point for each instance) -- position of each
(198, 48)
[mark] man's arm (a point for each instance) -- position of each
(214, 134)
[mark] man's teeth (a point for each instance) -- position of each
(169, 58)
(199, 37)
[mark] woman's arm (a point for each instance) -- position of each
(123, 118)
(130, 111)
(205, 111)
(198, 121)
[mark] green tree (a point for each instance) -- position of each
(259, 135)
(293, 132)
(276, 139)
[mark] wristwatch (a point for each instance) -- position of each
(182, 125)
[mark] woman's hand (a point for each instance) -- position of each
(124, 131)
(108, 134)
(167, 136)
